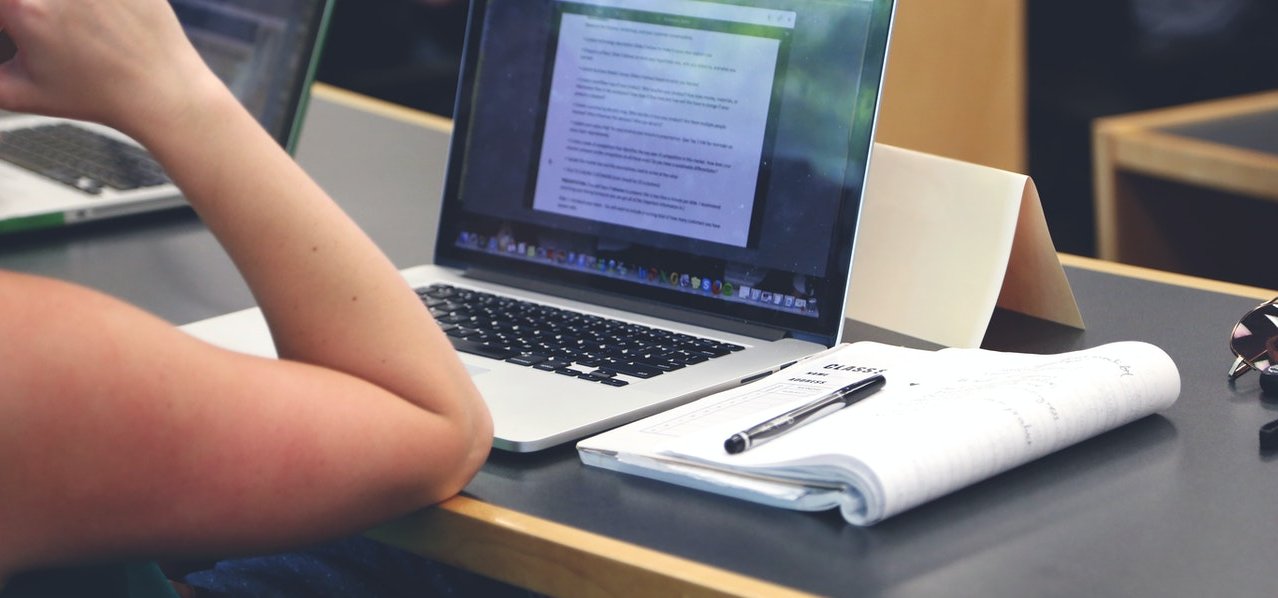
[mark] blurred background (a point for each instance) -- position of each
(1014, 84)
(1093, 58)
(402, 51)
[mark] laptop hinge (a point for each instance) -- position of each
(759, 331)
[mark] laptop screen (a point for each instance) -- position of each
(264, 50)
(706, 155)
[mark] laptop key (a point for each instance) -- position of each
(481, 349)
(631, 369)
(665, 366)
(531, 359)
(711, 351)
(687, 358)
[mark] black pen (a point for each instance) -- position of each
(803, 414)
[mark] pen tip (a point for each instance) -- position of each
(735, 444)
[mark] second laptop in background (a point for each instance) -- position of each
(55, 172)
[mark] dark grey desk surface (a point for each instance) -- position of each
(1257, 131)
(1179, 504)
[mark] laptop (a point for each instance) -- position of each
(55, 172)
(646, 201)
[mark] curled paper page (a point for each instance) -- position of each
(946, 419)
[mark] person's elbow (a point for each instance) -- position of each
(476, 442)
(462, 451)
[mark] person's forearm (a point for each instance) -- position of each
(330, 296)
(368, 415)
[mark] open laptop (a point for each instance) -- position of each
(689, 170)
(55, 172)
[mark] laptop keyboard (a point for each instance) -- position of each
(81, 158)
(551, 339)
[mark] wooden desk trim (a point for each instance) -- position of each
(1133, 143)
(556, 559)
(1195, 162)
(1195, 112)
(382, 107)
(1181, 280)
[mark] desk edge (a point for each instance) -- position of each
(352, 99)
(556, 559)
(1181, 280)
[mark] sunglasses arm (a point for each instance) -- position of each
(1239, 368)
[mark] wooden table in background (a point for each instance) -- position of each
(1191, 189)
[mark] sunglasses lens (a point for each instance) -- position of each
(1255, 338)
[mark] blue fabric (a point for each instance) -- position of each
(353, 568)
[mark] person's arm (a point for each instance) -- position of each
(122, 436)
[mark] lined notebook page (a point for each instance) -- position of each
(950, 418)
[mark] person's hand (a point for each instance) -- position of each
(125, 63)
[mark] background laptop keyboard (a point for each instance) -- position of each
(81, 158)
(588, 347)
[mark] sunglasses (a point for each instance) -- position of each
(1255, 340)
